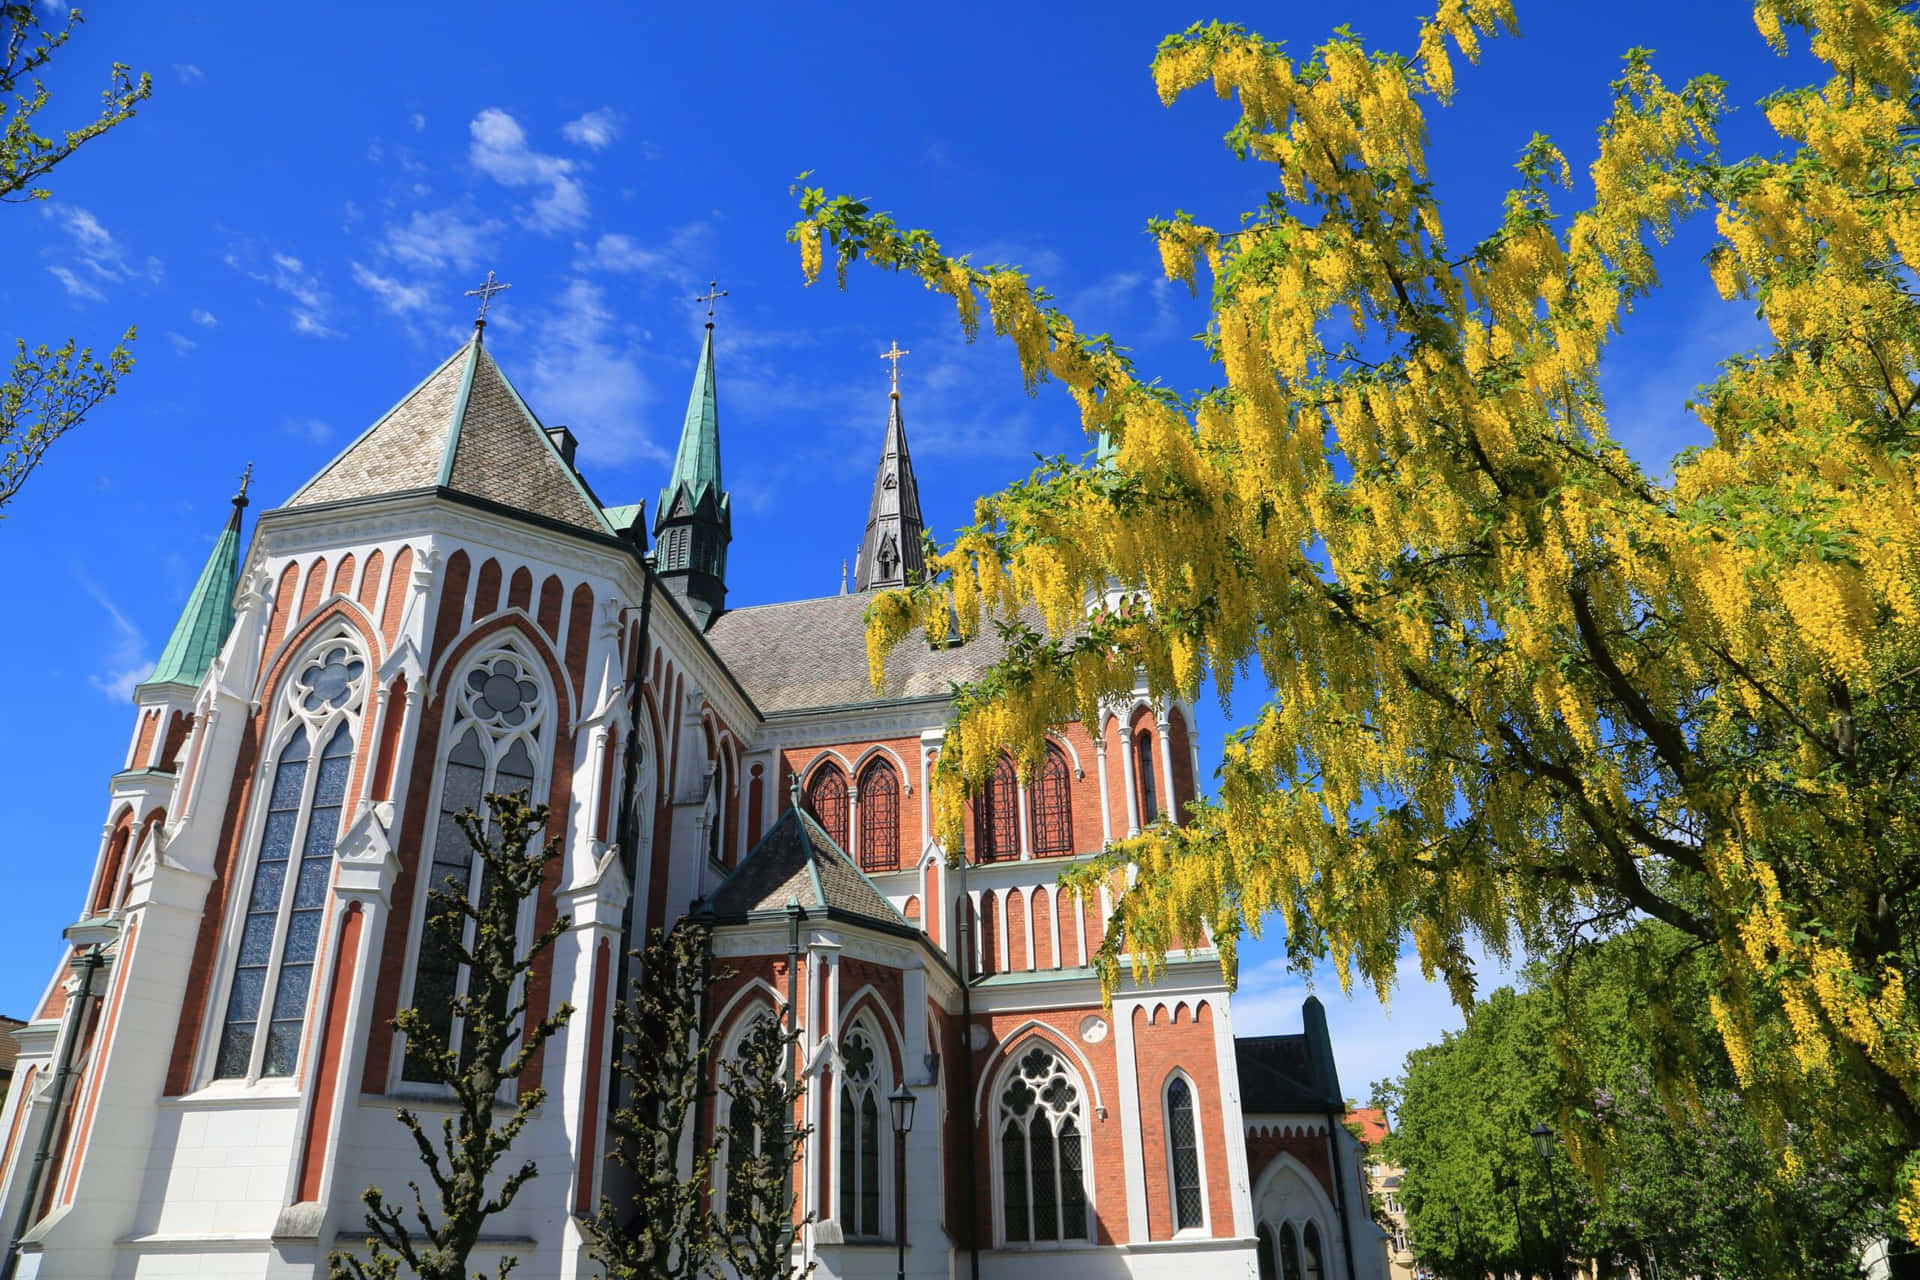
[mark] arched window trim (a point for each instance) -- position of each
(459, 719)
(319, 725)
(1050, 806)
(878, 1086)
(879, 793)
(997, 815)
(1307, 1203)
(825, 771)
(996, 1117)
(1146, 782)
(1205, 1226)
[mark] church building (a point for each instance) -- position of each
(447, 609)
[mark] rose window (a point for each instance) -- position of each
(502, 692)
(331, 680)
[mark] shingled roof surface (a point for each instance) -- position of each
(813, 653)
(1278, 1076)
(797, 861)
(467, 429)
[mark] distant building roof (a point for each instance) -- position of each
(1371, 1121)
(9, 1047)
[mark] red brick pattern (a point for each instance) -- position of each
(332, 1047)
(1165, 1040)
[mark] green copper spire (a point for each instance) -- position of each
(694, 522)
(208, 617)
(696, 466)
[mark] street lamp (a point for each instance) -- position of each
(1507, 1184)
(901, 1101)
(1543, 1142)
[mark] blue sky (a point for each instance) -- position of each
(293, 219)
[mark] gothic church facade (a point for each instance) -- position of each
(448, 609)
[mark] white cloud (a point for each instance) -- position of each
(311, 430)
(396, 296)
(57, 8)
(499, 150)
(204, 318)
(419, 123)
(311, 303)
(616, 252)
(586, 374)
(75, 285)
(188, 73)
(100, 259)
(595, 130)
(181, 342)
(126, 661)
(446, 236)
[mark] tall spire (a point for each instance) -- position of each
(208, 615)
(694, 522)
(891, 554)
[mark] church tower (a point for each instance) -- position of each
(694, 521)
(891, 554)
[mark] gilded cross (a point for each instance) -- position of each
(713, 294)
(893, 353)
(485, 293)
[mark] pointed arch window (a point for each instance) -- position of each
(827, 801)
(744, 1140)
(1051, 805)
(498, 732)
(1263, 1240)
(997, 815)
(279, 935)
(860, 1139)
(1289, 1252)
(879, 817)
(1043, 1188)
(1183, 1157)
(1143, 770)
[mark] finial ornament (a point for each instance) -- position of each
(893, 353)
(246, 478)
(485, 293)
(713, 294)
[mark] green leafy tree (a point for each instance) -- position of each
(1517, 687)
(1682, 1180)
(762, 1226)
(498, 1040)
(48, 390)
(662, 1225)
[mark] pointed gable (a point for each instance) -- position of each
(464, 428)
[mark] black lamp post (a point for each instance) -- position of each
(901, 1101)
(1507, 1184)
(1543, 1142)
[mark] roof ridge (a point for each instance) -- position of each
(459, 412)
(377, 423)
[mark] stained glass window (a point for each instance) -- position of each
(1051, 802)
(827, 801)
(279, 940)
(998, 815)
(1143, 771)
(1289, 1252)
(879, 818)
(1316, 1266)
(1043, 1190)
(1183, 1152)
(859, 1137)
(499, 727)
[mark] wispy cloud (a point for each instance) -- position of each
(99, 259)
(125, 663)
(188, 72)
(181, 342)
(396, 296)
(311, 430)
(312, 305)
(597, 130)
(433, 240)
(586, 373)
(203, 318)
(419, 122)
(619, 253)
(500, 150)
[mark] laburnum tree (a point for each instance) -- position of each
(498, 1038)
(48, 390)
(1520, 690)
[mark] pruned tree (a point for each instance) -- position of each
(1520, 689)
(48, 390)
(496, 1042)
(763, 1140)
(663, 1225)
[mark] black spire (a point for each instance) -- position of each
(891, 554)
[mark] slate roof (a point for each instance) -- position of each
(208, 615)
(9, 1047)
(813, 653)
(1282, 1075)
(464, 428)
(797, 861)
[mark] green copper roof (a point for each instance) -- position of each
(208, 617)
(697, 463)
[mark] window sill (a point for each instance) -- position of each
(280, 1092)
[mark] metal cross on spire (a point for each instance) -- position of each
(893, 353)
(485, 293)
(714, 293)
(246, 478)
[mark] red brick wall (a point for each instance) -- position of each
(1180, 1037)
(1266, 1142)
(848, 755)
